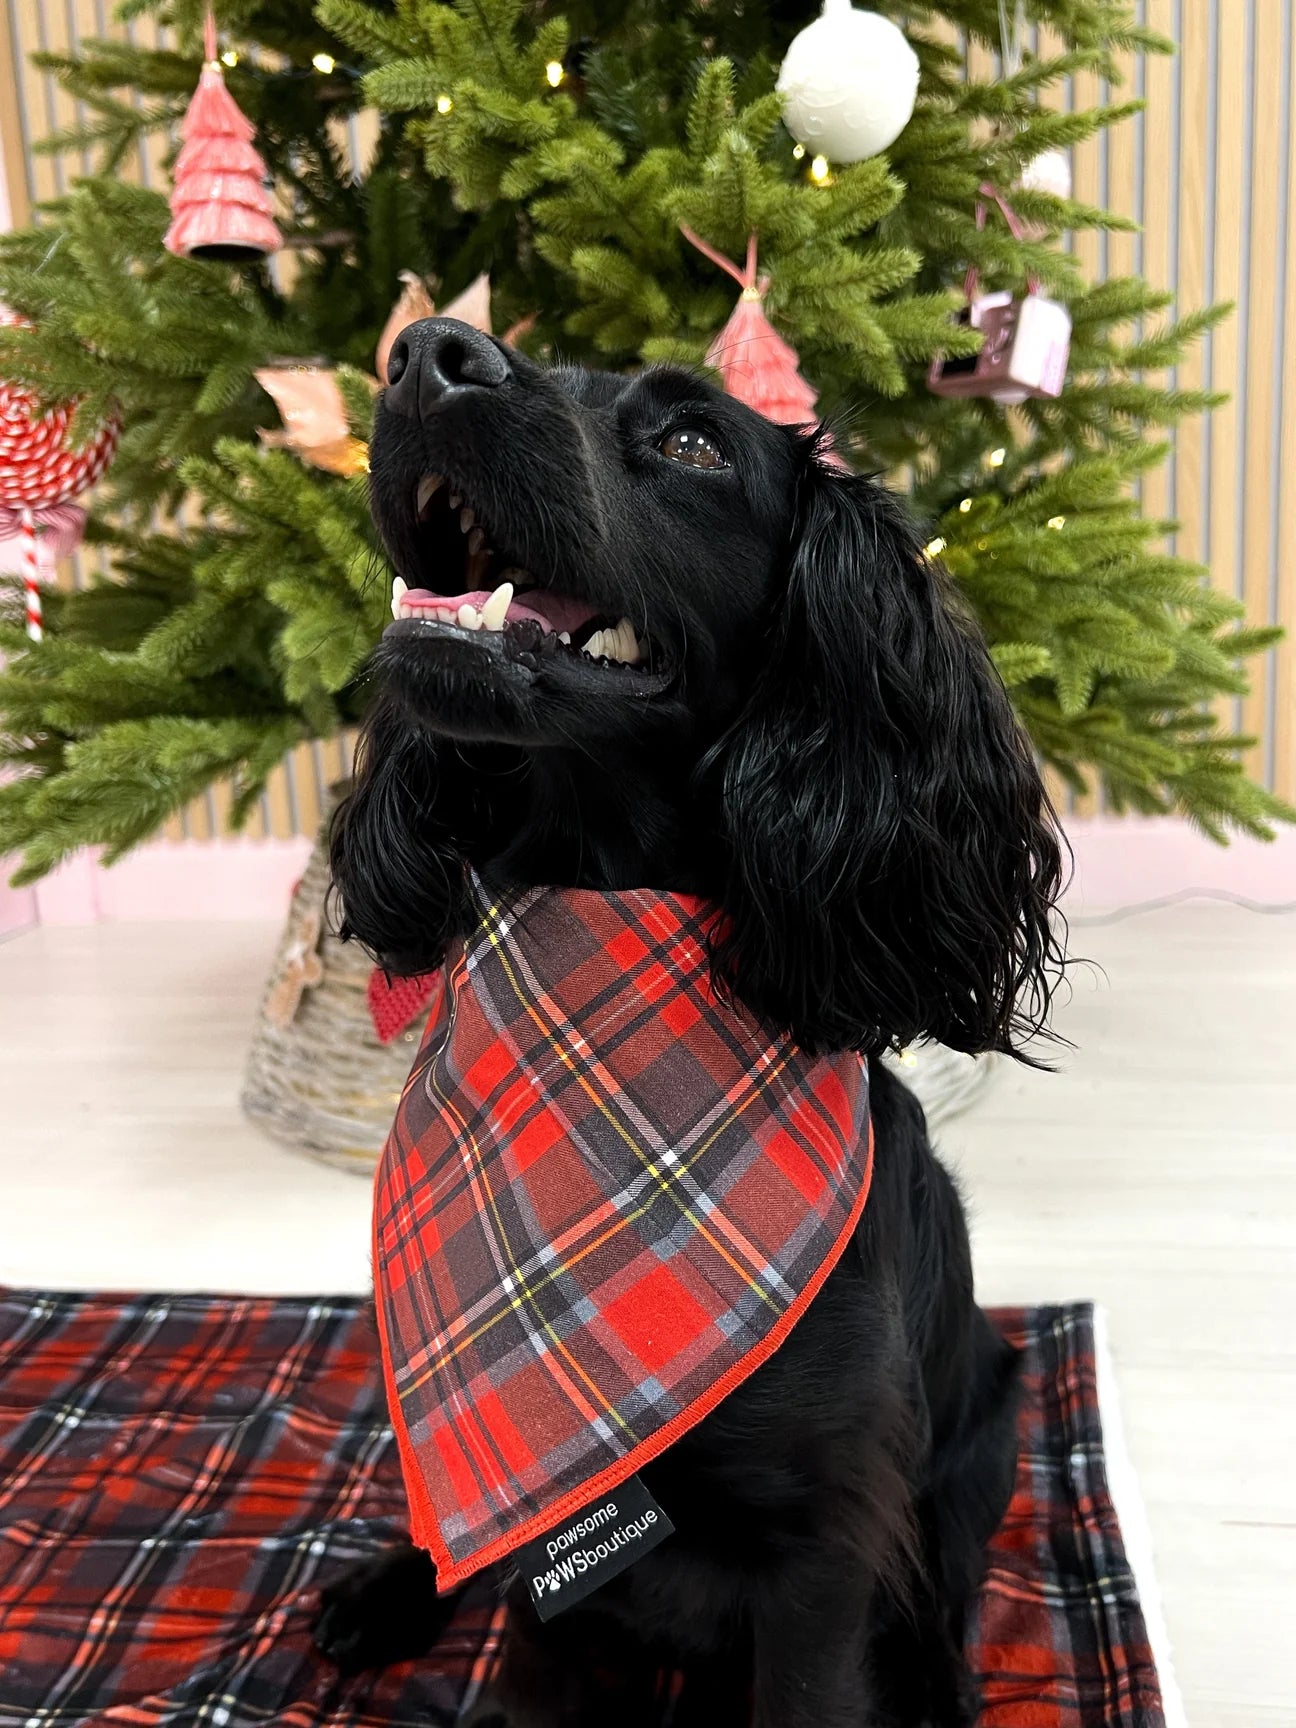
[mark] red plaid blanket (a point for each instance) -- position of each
(606, 1198)
(180, 1474)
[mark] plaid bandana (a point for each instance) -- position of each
(605, 1200)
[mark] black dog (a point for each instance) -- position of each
(724, 668)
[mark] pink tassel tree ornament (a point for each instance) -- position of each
(220, 208)
(754, 362)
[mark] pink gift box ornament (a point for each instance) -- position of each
(1027, 340)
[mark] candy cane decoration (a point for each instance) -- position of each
(31, 577)
(39, 474)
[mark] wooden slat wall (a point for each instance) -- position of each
(1210, 171)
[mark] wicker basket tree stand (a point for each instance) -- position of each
(320, 1079)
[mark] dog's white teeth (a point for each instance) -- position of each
(469, 617)
(426, 487)
(495, 611)
(616, 642)
(400, 587)
(402, 609)
(466, 519)
(564, 636)
(456, 499)
(627, 646)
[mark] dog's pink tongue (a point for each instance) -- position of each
(556, 612)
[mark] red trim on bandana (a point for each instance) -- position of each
(605, 1201)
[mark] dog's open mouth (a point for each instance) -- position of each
(500, 598)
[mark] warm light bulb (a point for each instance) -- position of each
(908, 1059)
(554, 73)
(965, 506)
(230, 57)
(323, 62)
(935, 547)
(819, 171)
(996, 458)
(798, 151)
(444, 104)
(1057, 522)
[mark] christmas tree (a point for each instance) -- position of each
(563, 150)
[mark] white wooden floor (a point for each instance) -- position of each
(1156, 1173)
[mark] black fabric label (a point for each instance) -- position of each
(586, 1550)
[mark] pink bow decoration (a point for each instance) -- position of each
(64, 526)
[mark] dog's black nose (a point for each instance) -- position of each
(430, 359)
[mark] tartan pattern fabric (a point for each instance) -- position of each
(395, 1002)
(180, 1474)
(1058, 1636)
(605, 1199)
(178, 1477)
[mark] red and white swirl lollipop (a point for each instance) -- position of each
(39, 476)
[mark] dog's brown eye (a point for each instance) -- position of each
(687, 444)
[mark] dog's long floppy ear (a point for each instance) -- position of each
(398, 875)
(893, 858)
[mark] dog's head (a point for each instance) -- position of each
(579, 555)
(644, 637)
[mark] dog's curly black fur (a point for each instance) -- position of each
(814, 737)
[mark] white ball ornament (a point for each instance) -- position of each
(849, 83)
(1050, 171)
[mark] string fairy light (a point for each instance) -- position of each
(444, 104)
(554, 73)
(996, 458)
(935, 547)
(230, 57)
(820, 172)
(798, 151)
(965, 505)
(323, 62)
(1057, 522)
